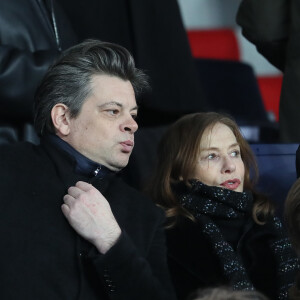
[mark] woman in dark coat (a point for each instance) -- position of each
(220, 231)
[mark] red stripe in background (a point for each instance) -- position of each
(270, 88)
(214, 43)
(223, 44)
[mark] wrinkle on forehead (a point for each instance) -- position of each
(209, 136)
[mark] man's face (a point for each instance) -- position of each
(104, 129)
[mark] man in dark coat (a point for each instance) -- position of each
(70, 228)
(273, 26)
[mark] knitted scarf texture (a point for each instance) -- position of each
(208, 202)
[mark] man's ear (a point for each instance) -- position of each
(61, 119)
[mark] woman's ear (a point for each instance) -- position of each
(61, 119)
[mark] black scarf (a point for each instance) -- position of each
(207, 202)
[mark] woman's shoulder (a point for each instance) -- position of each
(272, 228)
(186, 237)
(190, 255)
(184, 227)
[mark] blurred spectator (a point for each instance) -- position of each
(32, 35)
(292, 218)
(298, 162)
(273, 26)
(153, 32)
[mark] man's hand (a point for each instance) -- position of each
(89, 213)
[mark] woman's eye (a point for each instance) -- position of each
(235, 153)
(134, 117)
(211, 156)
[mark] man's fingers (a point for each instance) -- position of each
(65, 209)
(68, 200)
(84, 186)
(74, 191)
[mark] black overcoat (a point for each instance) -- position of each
(193, 263)
(28, 46)
(41, 255)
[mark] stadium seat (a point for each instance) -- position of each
(277, 169)
(231, 87)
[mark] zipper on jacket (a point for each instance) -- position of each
(54, 24)
(47, 9)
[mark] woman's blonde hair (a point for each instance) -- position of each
(178, 151)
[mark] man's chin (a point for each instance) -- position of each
(118, 166)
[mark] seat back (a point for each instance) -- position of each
(231, 87)
(277, 169)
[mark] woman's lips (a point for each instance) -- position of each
(231, 184)
(127, 146)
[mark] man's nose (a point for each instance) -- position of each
(129, 125)
(228, 165)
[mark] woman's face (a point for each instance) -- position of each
(219, 162)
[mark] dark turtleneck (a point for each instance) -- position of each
(84, 165)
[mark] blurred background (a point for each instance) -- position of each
(213, 33)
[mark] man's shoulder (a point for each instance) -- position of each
(122, 186)
(15, 148)
(14, 153)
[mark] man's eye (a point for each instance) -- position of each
(134, 116)
(113, 112)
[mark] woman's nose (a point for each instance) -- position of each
(228, 165)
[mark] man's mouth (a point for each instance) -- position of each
(231, 184)
(127, 146)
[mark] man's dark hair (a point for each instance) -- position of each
(68, 80)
